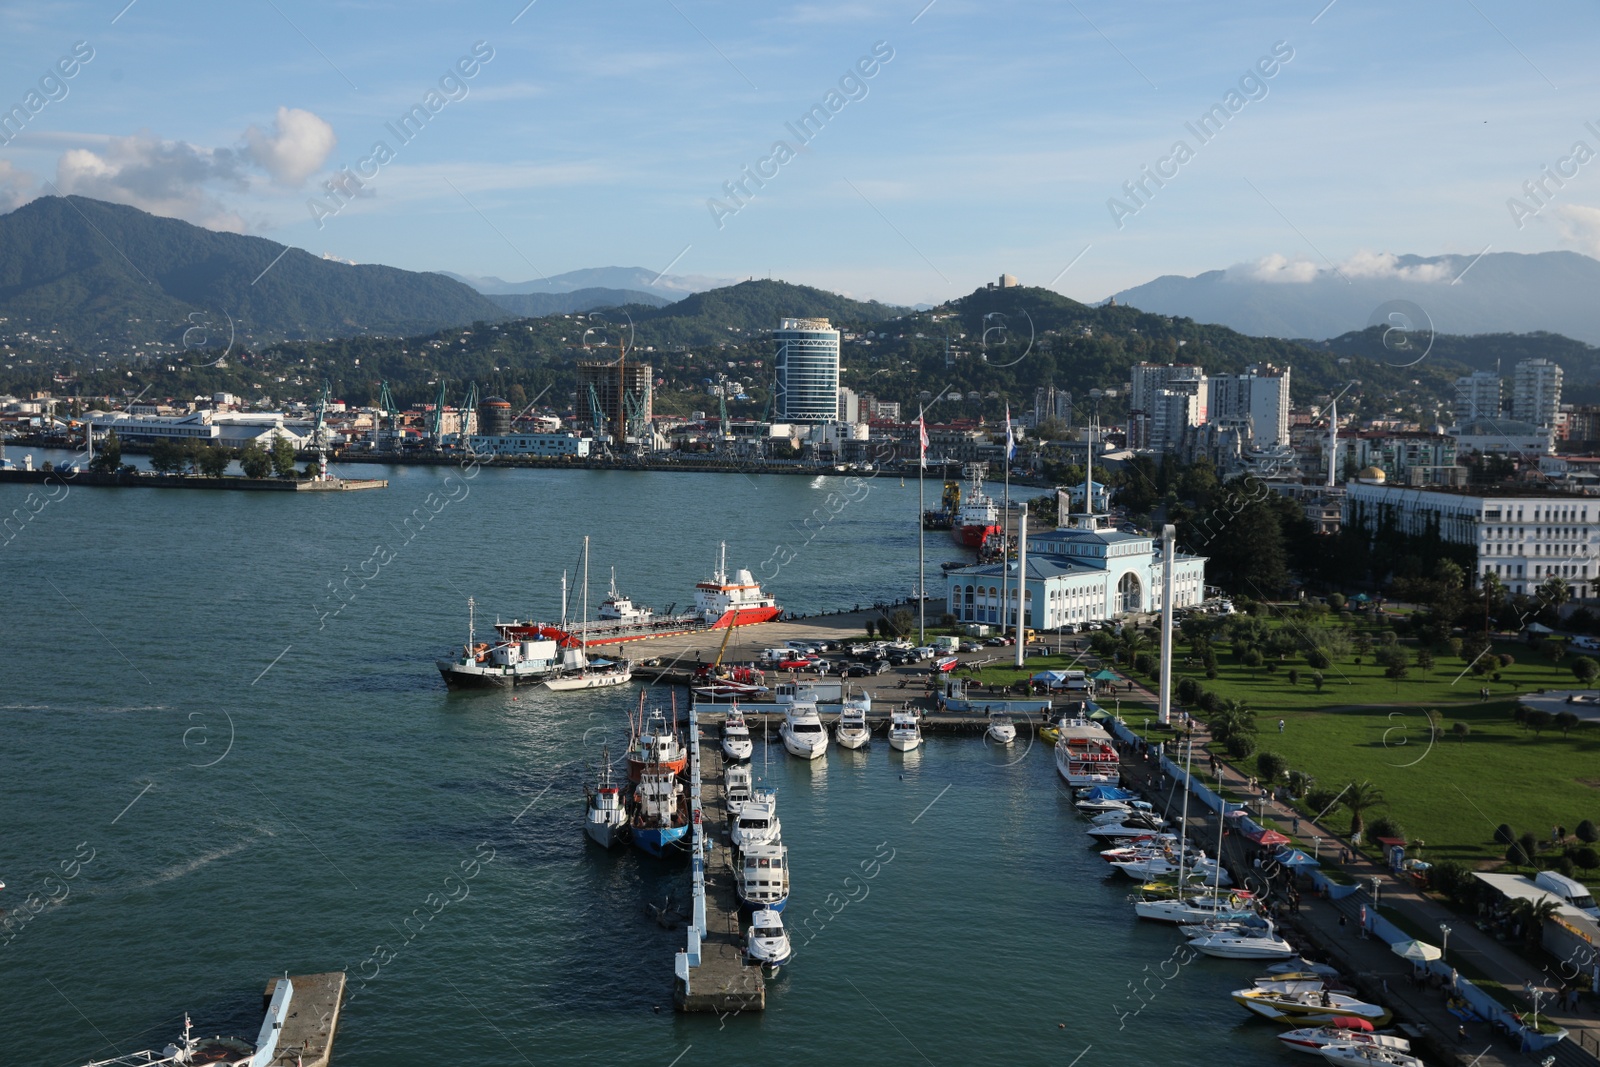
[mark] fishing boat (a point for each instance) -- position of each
(1002, 731)
(762, 880)
(766, 943)
(977, 516)
(1306, 1001)
(1366, 1054)
(1344, 1030)
(619, 608)
(656, 745)
(606, 820)
(719, 602)
(757, 821)
(803, 733)
(736, 789)
(1085, 754)
(905, 733)
(852, 731)
(521, 654)
(661, 811)
(736, 743)
(577, 670)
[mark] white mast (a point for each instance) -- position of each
(1333, 445)
(1022, 583)
(1168, 551)
(584, 624)
(563, 599)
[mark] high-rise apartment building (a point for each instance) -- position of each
(1477, 397)
(1536, 392)
(807, 388)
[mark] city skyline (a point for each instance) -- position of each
(884, 150)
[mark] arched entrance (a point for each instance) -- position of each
(1130, 593)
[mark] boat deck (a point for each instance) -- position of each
(722, 982)
(307, 1036)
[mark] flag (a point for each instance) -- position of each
(1011, 439)
(922, 434)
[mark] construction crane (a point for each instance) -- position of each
(596, 416)
(469, 417)
(437, 430)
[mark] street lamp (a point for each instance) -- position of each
(1375, 886)
(1316, 848)
(1444, 933)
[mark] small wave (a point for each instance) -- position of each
(204, 859)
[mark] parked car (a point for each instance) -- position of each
(970, 646)
(880, 667)
(856, 670)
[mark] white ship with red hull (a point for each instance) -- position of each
(978, 515)
(719, 602)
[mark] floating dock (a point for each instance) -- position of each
(711, 973)
(306, 1037)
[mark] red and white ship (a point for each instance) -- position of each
(1085, 754)
(719, 602)
(978, 515)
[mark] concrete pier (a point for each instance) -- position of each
(711, 974)
(307, 1036)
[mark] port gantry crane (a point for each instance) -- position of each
(436, 430)
(387, 405)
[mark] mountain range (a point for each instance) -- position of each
(1494, 293)
(635, 279)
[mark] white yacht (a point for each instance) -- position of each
(1313, 1039)
(905, 733)
(736, 789)
(1192, 909)
(1002, 731)
(757, 822)
(803, 733)
(766, 943)
(736, 743)
(1363, 1054)
(852, 730)
(763, 877)
(1243, 945)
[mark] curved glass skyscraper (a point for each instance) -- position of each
(807, 371)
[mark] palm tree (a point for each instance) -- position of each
(1358, 797)
(1130, 643)
(1532, 915)
(1235, 717)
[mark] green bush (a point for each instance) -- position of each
(1271, 766)
(1383, 826)
(1240, 746)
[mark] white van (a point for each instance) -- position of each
(1574, 893)
(1586, 643)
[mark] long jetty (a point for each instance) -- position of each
(711, 973)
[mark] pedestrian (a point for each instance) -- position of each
(1296, 828)
(1344, 855)
(1280, 726)
(1555, 835)
(1562, 831)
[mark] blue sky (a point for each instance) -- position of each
(991, 141)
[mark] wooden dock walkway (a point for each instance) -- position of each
(307, 1036)
(712, 975)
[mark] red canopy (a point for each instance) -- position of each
(1268, 837)
(1351, 1022)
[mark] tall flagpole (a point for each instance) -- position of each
(1005, 543)
(922, 589)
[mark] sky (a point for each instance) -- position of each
(948, 142)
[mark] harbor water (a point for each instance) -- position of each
(220, 761)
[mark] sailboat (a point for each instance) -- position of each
(578, 671)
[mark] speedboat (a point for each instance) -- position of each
(1364, 1054)
(1002, 731)
(852, 730)
(1142, 808)
(1244, 945)
(905, 733)
(1301, 965)
(757, 821)
(656, 746)
(606, 821)
(1307, 1001)
(736, 789)
(736, 743)
(1313, 1039)
(763, 877)
(766, 943)
(1131, 825)
(802, 732)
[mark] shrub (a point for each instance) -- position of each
(1529, 844)
(1508, 661)
(1318, 659)
(1240, 746)
(1211, 673)
(1386, 827)
(1271, 766)
(1564, 865)
(1188, 690)
(1586, 857)
(1587, 833)
(1299, 783)
(1517, 857)
(1503, 834)
(1336, 601)
(1294, 676)
(1454, 644)
(1317, 680)
(1461, 729)
(1424, 660)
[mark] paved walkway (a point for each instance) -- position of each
(1376, 965)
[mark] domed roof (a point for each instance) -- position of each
(1373, 474)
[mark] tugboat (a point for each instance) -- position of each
(522, 654)
(719, 602)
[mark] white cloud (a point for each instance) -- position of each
(16, 186)
(162, 177)
(1579, 226)
(297, 147)
(1387, 265)
(1278, 269)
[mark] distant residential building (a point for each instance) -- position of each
(1406, 457)
(807, 370)
(1503, 437)
(1260, 394)
(1536, 392)
(849, 406)
(1524, 539)
(1477, 397)
(1148, 380)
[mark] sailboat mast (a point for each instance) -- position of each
(585, 622)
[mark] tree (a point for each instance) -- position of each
(167, 457)
(1271, 766)
(1553, 592)
(1565, 721)
(254, 461)
(1516, 856)
(1585, 669)
(1336, 601)
(1424, 659)
(1587, 832)
(1363, 645)
(283, 457)
(1358, 798)
(1294, 676)
(213, 461)
(1252, 659)
(109, 457)
(901, 620)
(1538, 721)
(1504, 834)
(1533, 913)
(1461, 730)
(1317, 680)
(1586, 857)
(872, 627)
(1240, 746)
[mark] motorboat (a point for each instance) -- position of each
(736, 743)
(1301, 965)
(1142, 808)
(852, 730)
(1104, 798)
(1314, 1039)
(757, 822)
(656, 745)
(762, 879)
(905, 733)
(1149, 844)
(1307, 1001)
(1002, 731)
(1366, 1054)
(802, 732)
(1129, 826)
(736, 789)
(606, 818)
(1085, 754)
(1244, 945)
(661, 816)
(766, 943)
(1197, 868)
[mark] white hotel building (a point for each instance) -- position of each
(1522, 538)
